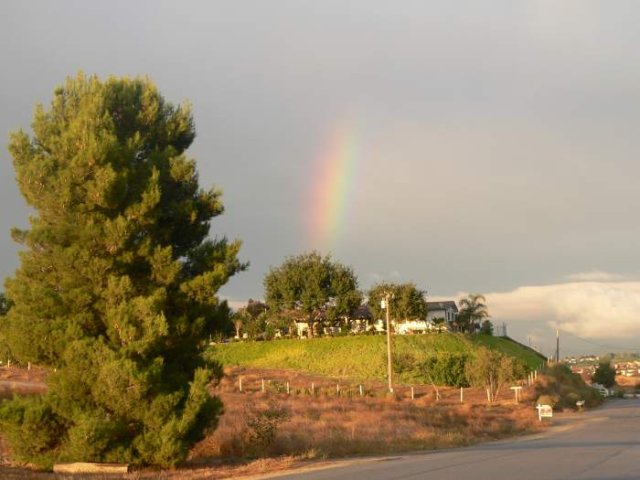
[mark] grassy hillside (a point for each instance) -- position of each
(361, 357)
(526, 355)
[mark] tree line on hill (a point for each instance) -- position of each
(323, 295)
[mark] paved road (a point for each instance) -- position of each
(601, 444)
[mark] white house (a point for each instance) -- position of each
(446, 309)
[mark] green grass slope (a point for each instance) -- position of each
(508, 346)
(361, 357)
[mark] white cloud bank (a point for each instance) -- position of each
(588, 309)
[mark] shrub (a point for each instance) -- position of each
(493, 370)
(605, 375)
(33, 419)
(446, 369)
(404, 362)
(486, 327)
(262, 427)
(560, 383)
(547, 400)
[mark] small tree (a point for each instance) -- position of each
(447, 368)
(407, 301)
(486, 327)
(605, 375)
(255, 327)
(255, 307)
(118, 279)
(239, 319)
(316, 286)
(492, 370)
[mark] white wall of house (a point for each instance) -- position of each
(302, 329)
(403, 328)
(411, 326)
(449, 314)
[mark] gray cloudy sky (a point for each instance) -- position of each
(496, 140)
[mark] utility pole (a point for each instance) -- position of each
(557, 345)
(386, 305)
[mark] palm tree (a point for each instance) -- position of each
(472, 311)
(239, 320)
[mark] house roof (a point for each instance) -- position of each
(446, 305)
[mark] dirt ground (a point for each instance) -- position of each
(318, 418)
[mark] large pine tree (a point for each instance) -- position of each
(118, 278)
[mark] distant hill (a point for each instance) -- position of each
(363, 357)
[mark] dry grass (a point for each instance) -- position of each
(265, 432)
(325, 425)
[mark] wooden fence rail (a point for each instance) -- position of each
(271, 386)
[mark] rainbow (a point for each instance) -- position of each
(332, 186)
